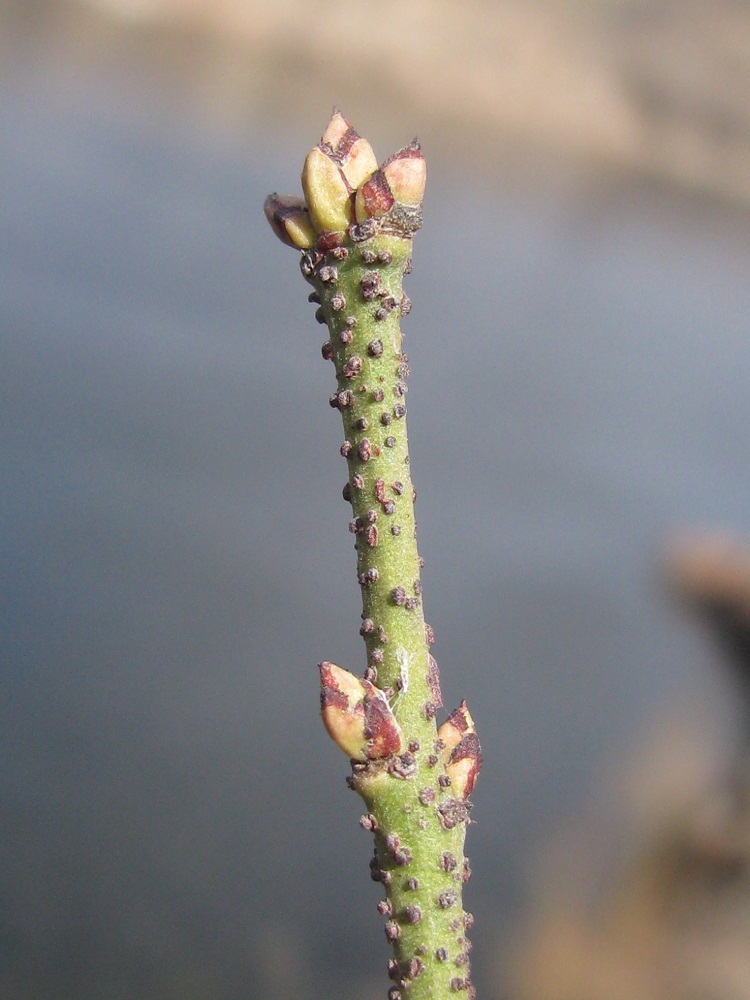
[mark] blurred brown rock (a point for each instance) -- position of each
(710, 571)
(651, 900)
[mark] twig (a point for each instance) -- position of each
(355, 229)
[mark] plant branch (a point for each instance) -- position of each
(355, 228)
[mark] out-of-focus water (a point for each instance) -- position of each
(175, 558)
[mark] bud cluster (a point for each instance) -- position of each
(344, 187)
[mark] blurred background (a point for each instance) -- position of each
(175, 561)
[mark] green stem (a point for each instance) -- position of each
(371, 369)
(419, 854)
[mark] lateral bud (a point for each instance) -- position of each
(290, 220)
(357, 715)
(462, 756)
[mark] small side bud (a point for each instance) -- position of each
(462, 755)
(342, 707)
(357, 715)
(327, 192)
(290, 220)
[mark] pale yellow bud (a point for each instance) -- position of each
(360, 163)
(327, 192)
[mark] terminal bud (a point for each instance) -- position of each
(347, 147)
(342, 183)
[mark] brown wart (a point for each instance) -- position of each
(447, 898)
(392, 930)
(414, 967)
(328, 274)
(352, 366)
